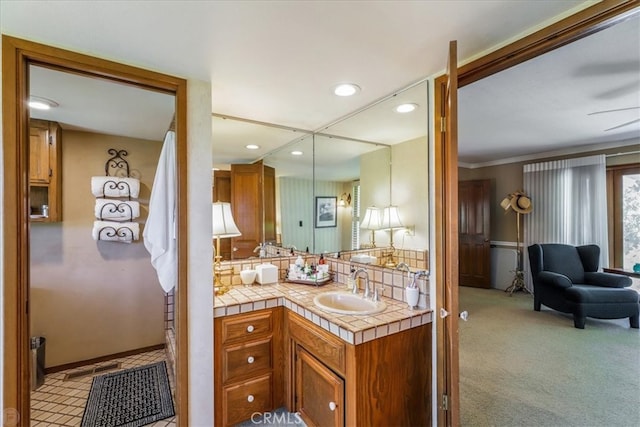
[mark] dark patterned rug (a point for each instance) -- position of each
(130, 398)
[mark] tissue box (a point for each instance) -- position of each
(266, 274)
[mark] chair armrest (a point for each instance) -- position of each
(609, 280)
(558, 280)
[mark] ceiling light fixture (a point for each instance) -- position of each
(296, 153)
(346, 89)
(252, 147)
(406, 108)
(39, 103)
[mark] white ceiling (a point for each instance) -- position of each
(277, 61)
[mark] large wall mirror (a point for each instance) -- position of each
(326, 179)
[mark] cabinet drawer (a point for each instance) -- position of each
(246, 326)
(327, 347)
(240, 401)
(246, 359)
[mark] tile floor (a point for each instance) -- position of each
(61, 403)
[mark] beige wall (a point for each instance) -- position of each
(508, 178)
(89, 298)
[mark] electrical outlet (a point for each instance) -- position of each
(410, 230)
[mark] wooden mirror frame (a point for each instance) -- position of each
(17, 55)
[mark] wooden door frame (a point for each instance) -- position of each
(17, 55)
(588, 21)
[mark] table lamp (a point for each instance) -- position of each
(371, 221)
(223, 226)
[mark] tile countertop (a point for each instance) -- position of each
(354, 329)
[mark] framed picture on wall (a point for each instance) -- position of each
(326, 212)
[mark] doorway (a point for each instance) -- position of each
(17, 56)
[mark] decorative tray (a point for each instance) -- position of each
(311, 281)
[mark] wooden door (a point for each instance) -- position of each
(319, 392)
(474, 237)
(446, 242)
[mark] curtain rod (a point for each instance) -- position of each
(622, 154)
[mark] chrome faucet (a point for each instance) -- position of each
(367, 289)
(417, 275)
(403, 266)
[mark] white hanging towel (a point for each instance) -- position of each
(113, 186)
(160, 230)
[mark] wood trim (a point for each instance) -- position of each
(17, 54)
(73, 365)
(581, 24)
(588, 21)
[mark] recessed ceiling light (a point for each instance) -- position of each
(296, 153)
(406, 108)
(252, 147)
(346, 89)
(40, 103)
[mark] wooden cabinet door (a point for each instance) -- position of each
(319, 392)
(39, 161)
(246, 204)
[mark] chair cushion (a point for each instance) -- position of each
(563, 259)
(595, 294)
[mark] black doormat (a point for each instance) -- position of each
(130, 398)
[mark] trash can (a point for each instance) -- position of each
(37, 361)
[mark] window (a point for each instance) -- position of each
(623, 189)
(355, 216)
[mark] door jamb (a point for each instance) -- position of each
(17, 54)
(581, 24)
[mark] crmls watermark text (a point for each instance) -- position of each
(287, 418)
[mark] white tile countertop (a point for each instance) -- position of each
(354, 329)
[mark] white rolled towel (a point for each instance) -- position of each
(110, 231)
(113, 186)
(117, 210)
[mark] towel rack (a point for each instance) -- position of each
(117, 163)
(119, 185)
(120, 208)
(122, 232)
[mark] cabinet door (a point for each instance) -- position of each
(319, 392)
(39, 162)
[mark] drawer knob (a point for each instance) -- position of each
(250, 359)
(332, 406)
(250, 398)
(250, 328)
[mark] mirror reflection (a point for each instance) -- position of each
(324, 181)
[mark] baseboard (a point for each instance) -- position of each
(74, 365)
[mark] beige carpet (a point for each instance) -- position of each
(519, 367)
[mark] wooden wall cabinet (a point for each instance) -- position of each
(45, 170)
(248, 365)
(253, 205)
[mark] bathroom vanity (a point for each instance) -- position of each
(273, 347)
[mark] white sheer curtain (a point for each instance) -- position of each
(569, 205)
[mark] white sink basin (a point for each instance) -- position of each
(347, 303)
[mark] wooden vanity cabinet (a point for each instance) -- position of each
(248, 365)
(45, 170)
(386, 381)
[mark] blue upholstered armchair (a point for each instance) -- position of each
(566, 278)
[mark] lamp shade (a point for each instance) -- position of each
(372, 218)
(391, 217)
(222, 221)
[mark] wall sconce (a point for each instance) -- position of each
(371, 221)
(345, 200)
(223, 226)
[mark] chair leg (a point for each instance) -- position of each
(536, 304)
(634, 321)
(578, 321)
